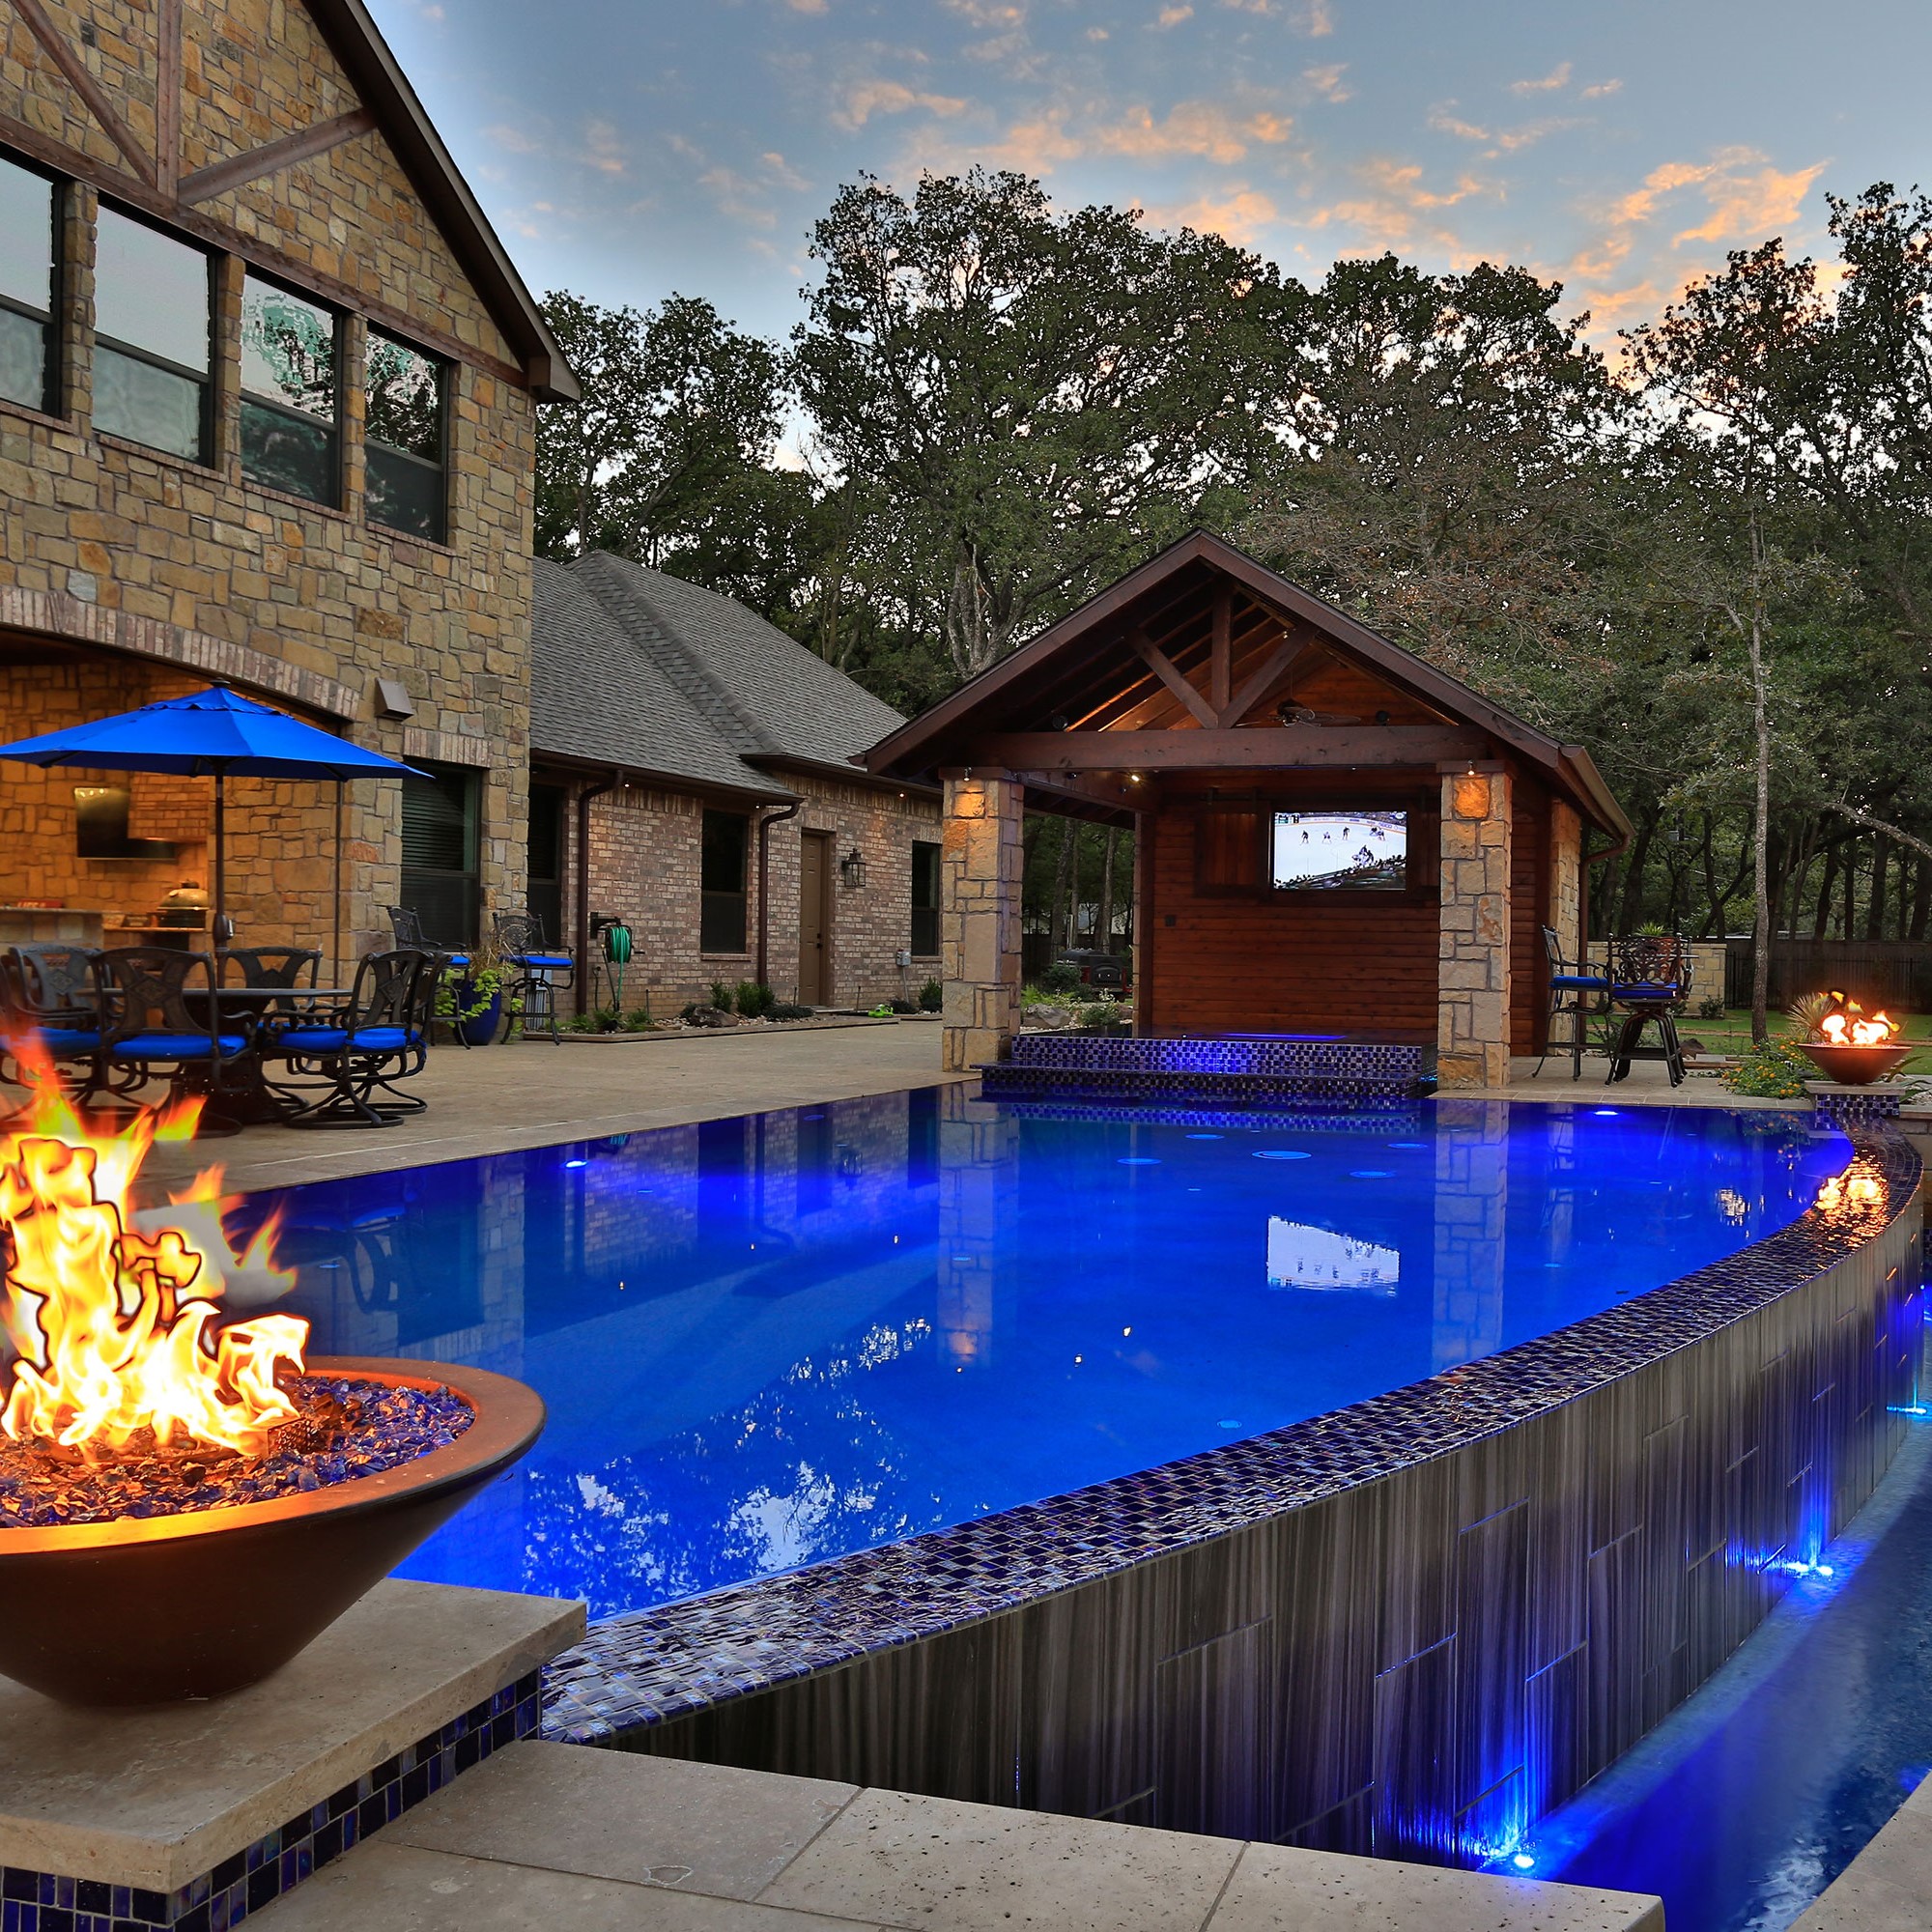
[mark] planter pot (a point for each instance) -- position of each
(481, 1028)
(151, 1609)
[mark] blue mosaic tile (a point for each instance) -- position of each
(650, 1666)
(278, 1860)
(1046, 1066)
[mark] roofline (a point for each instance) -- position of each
(1571, 764)
(359, 44)
(852, 771)
(573, 761)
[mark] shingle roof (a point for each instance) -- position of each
(633, 668)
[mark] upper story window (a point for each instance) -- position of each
(29, 203)
(402, 438)
(153, 317)
(924, 936)
(291, 398)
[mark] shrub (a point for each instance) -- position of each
(638, 1019)
(721, 996)
(1772, 1072)
(1711, 1009)
(1060, 979)
(755, 1002)
(931, 997)
(786, 1009)
(1101, 1013)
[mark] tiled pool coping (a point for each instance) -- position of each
(650, 1666)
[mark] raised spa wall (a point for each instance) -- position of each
(1407, 1629)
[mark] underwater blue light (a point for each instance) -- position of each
(1279, 1154)
(576, 1163)
(1604, 1113)
(1524, 1862)
(1139, 1161)
(1368, 1173)
(1204, 1137)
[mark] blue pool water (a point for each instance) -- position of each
(780, 1338)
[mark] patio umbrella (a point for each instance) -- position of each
(216, 733)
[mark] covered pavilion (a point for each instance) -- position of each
(1221, 711)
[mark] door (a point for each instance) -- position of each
(815, 920)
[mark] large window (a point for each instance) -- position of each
(291, 399)
(29, 203)
(403, 440)
(439, 851)
(925, 898)
(152, 326)
(721, 920)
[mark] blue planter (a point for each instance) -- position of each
(481, 1029)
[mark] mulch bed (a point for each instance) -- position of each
(345, 1429)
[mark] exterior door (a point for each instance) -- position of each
(815, 920)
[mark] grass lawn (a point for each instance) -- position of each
(1732, 1034)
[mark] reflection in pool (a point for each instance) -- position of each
(784, 1337)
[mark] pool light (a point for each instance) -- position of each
(1604, 1113)
(1524, 1861)
(576, 1163)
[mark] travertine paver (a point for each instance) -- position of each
(611, 1814)
(1888, 1887)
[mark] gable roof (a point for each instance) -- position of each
(635, 669)
(1088, 641)
(354, 40)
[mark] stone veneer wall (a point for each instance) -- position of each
(644, 868)
(979, 929)
(1473, 1016)
(104, 544)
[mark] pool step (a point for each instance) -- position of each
(1226, 1070)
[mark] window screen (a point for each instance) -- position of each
(151, 357)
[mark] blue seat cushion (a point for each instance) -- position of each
(338, 1039)
(549, 960)
(1579, 981)
(59, 1040)
(456, 959)
(175, 1046)
(1645, 989)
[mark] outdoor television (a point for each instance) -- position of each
(1335, 851)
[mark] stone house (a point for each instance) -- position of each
(706, 762)
(268, 393)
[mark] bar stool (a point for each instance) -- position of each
(1570, 991)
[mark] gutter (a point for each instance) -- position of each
(582, 974)
(765, 824)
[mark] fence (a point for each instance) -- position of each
(1893, 973)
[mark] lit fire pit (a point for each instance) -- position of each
(1850, 1048)
(184, 1503)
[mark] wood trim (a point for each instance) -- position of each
(84, 84)
(1220, 655)
(1284, 747)
(230, 241)
(168, 95)
(305, 144)
(1164, 668)
(1262, 683)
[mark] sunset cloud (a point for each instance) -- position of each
(1557, 77)
(1498, 140)
(1326, 81)
(1244, 217)
(866, 97)
(1172, 17)
(1601, 90)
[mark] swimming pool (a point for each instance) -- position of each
(776, 1339)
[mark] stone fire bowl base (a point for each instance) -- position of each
(199, 1604)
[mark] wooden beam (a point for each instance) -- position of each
(1277, 748)
(84, 84)
(219, 177)
(1220, 654)
(1099, 796)
(1262, 683)
(168, 95)
(1162, 665)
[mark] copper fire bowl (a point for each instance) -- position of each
(146, 1610)
(1853, 1066)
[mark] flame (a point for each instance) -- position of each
(1846, 1030)
(111, 1312)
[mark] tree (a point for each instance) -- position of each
(1045, 398)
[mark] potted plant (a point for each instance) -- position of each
(469, 998)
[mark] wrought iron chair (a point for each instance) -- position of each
(273, 968)
(339, 1057)
(1650, 982)
(406, 924)
(158, 1015)
(1577, 994)
(542, 972)
(50, 1010)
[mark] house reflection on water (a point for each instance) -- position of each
(777, 1338)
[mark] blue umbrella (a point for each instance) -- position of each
(215, 733)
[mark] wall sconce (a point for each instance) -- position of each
(852, 868)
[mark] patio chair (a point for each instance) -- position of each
(341, 1056)
(50, 1010)
(162, 1012)
(1650, 981)
(268, 968)
(520, 944)
(1577, 994)
(407, 926)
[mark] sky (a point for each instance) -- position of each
(629, 149)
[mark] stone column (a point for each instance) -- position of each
(1566, 877)
(1473, 955)
(979, 923)
(1471, 1227)
(979, 1155)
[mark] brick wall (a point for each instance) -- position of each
(177, 562)
(644, 868)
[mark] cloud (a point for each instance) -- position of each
(808, 6)
(741, 200)
(1392, 208)
(1171, 17)
(1497, 140)
(865, 98)
(780, 173)
(514, 139)
(1557, 77)
(603, 148)
(1326, 81)
(1316, 19)
(1242, 217)
(1601, 90)
(1747, 208)
(1203, 128)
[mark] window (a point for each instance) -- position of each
(720, 919)
(152, 325)
(403, 431)
(440, 852)
(290, 396)
(29, 204)
(925, 898)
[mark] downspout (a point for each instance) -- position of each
(582, 974)
(765, 825)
